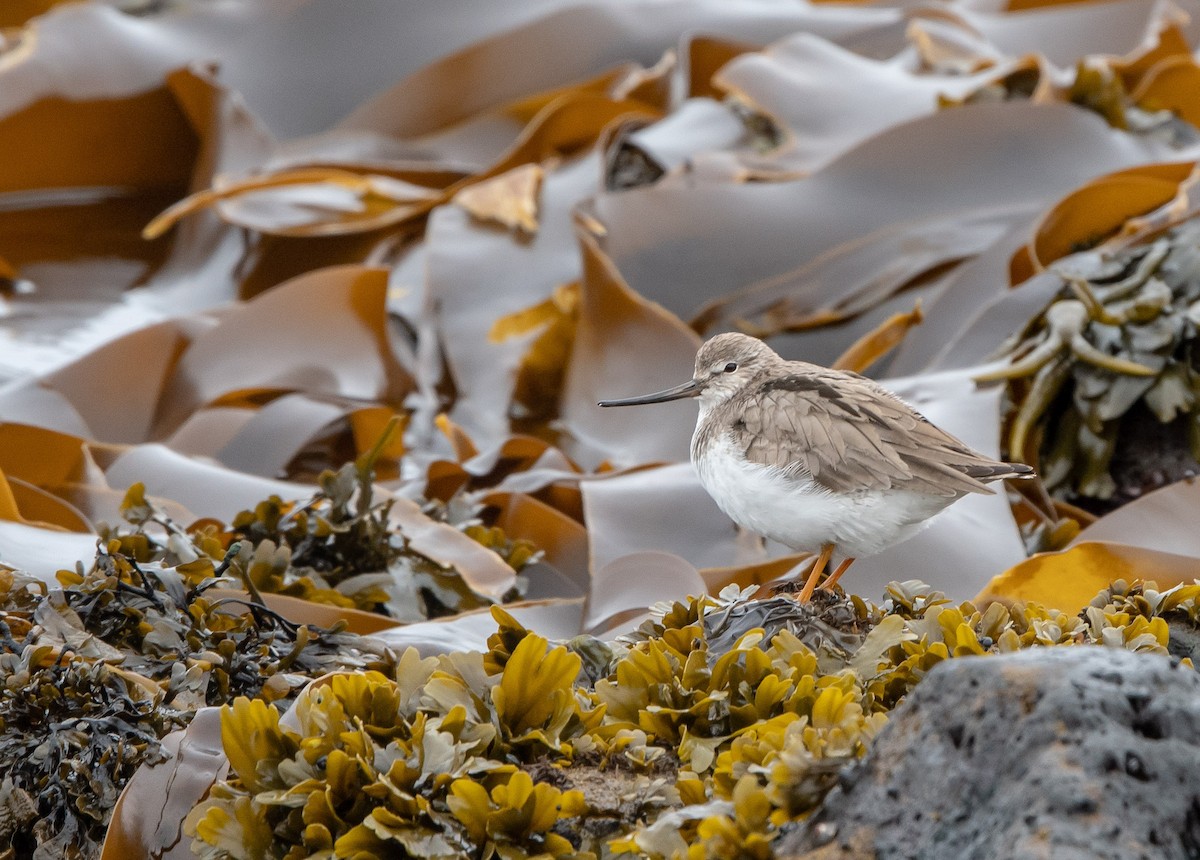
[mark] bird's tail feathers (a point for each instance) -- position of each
(1000, 471)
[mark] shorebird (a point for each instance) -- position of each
(820, 460)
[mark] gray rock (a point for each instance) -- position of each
(1065, 753)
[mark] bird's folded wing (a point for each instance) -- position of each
(847, 433)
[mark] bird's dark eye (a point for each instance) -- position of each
(731, 367)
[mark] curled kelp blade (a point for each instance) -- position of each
(1159, 520)
(346, 304)
(321, 200)
(752, 216)
(828, 98)
(613, 318)
(624, 588)
(1108, 209)
(147, 820)
(695, 209)
(558, 619)
(91, 193)
(42, 552)
(306, 202)
(1068, 579)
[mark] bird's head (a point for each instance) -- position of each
(724, 365)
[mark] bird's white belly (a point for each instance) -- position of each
(801, 514)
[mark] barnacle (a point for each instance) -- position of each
(1107, 360)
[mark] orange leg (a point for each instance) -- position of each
(836, 575)
(815, 573)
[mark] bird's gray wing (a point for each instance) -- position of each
(849, 434)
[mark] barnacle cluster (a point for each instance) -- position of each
(662, 746)
(1111, 364)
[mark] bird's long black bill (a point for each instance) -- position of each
(691, 388)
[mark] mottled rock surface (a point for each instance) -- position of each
(1063, 753)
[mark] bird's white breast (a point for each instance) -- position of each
(798, 512)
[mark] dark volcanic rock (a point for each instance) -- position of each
(1065, 753)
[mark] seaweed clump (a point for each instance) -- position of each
(98, 670)
(704, 734)
(168, 619)
(72, 732)
(1109, 369)
(342, 547)
(1123, 94)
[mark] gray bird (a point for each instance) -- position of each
(820, 460)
